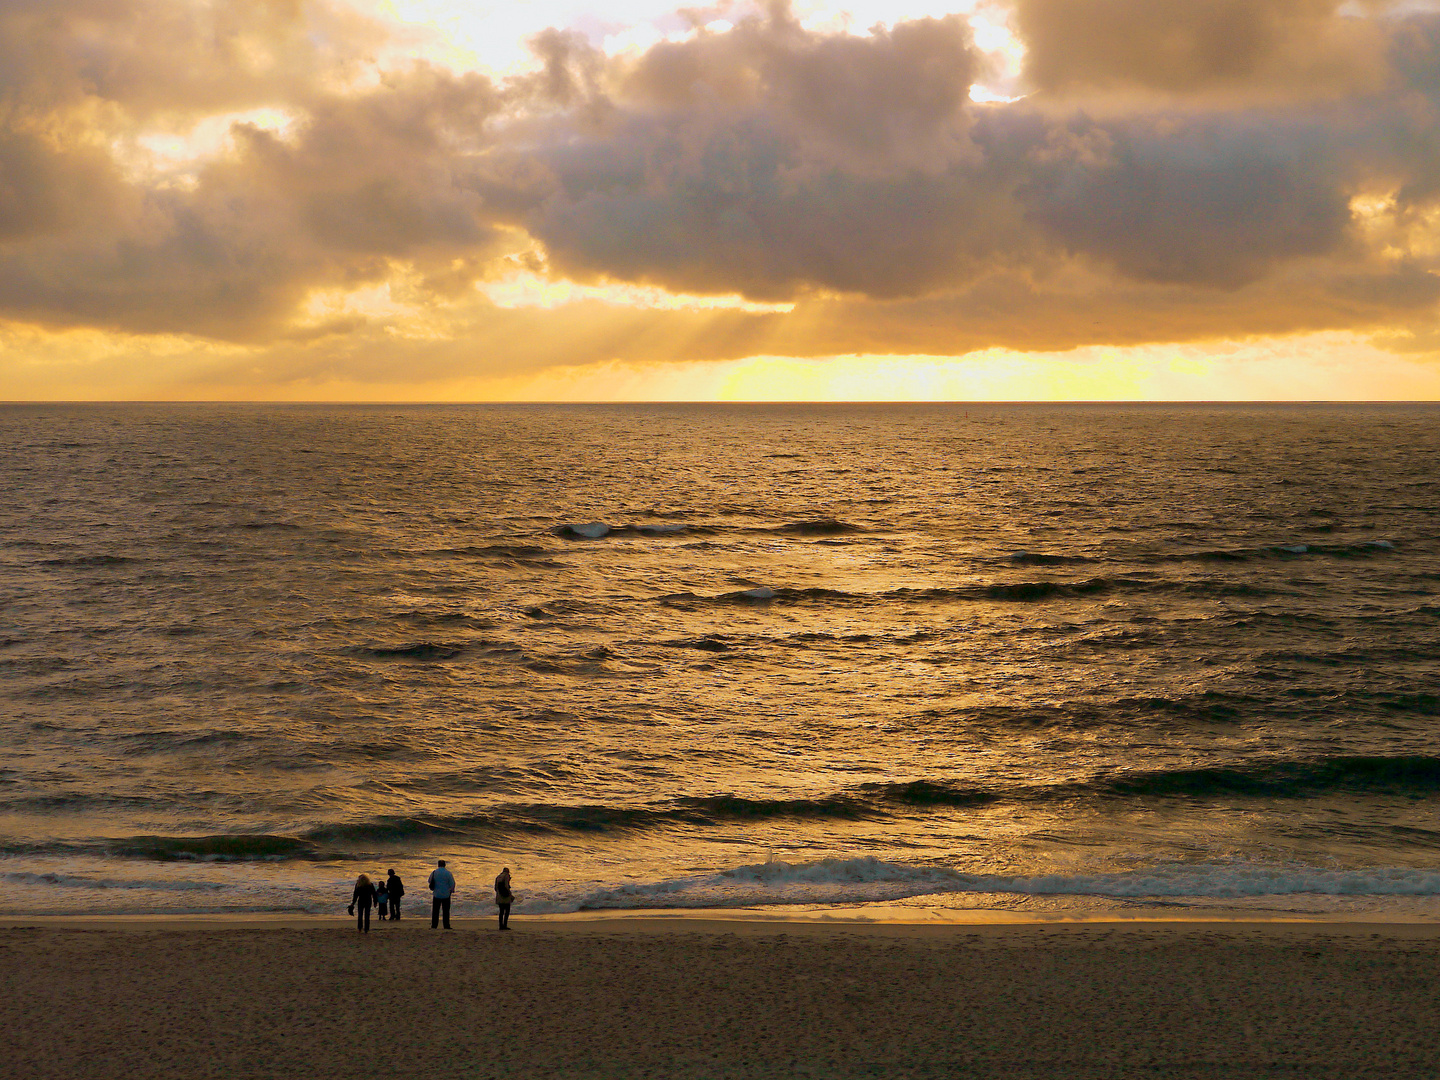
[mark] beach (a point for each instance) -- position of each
(704, 997)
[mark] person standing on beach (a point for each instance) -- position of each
(442, 887)
(382, 899)
(504, 897)
(361, 899)
(396, 888)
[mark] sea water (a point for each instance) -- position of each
(1033, 657)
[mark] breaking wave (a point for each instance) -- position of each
(767, 884)
(860, 880)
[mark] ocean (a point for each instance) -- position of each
(1041, 658)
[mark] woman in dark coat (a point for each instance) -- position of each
(360, 901)
(504, 897)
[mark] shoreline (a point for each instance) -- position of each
(886, 920)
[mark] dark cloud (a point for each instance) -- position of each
(1289, 47)
(1279, 186)
(768, 160)
(707, 180)
(897, 99)
(1207, 199)
(46, 189)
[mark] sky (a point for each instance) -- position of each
(569, 200)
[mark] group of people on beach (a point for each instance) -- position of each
(386, 897)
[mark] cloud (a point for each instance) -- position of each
(1207, 199)
(1156, 187)
(712, 174)
(1283, 47)
(769, 160)
(158, 58)
(369, 176)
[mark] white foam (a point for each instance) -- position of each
(761, 593)
(591, 530)
(870, 880)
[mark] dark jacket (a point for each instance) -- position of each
(394, 886)
(364, 895)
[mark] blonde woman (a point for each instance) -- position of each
(360, 901)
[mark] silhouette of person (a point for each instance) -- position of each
(362, 898)
(504, 897)
(396, 888)
(382, 898)
(442, 888)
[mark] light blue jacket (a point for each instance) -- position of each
(442, 883)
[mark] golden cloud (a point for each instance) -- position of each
(1188, 170)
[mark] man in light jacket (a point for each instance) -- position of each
(442, 886)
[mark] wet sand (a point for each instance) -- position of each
(701, 998)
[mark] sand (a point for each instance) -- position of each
(699, 998)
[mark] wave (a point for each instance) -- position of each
(1269, 551)
(708, 643)
(599, 530)
(816, 527)
(1402, 776)
(520, 554)
(867, 801)
(760, 593)
(79, 881)
(91, 561)
(1004, 591)
(861, 880)
(225, 847)
(419, 650)
(435, 650)
(1035, 558)
(1043, 590)
(1283, 779)
(1424, 704)
(194, 739)
(433, 619)
(929, 793)
(1288, 779)
(392, 828)
(1293, 550)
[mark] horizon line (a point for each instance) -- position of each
(8, 402)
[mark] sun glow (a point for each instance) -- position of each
(1323, 364)
(522, 290)
(494, 38)
(174, 153)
